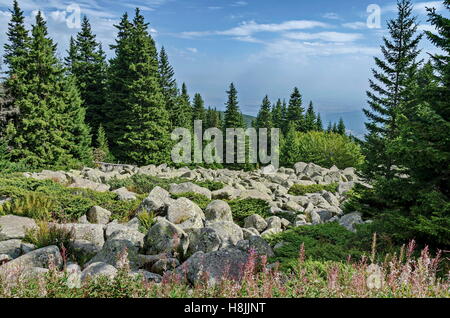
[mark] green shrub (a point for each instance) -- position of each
(326, 242)
(146, 220)
(68, 203)
(298, 189)
(199, 199)
(33, 205)
(323, 149)
(46, 235)
(247, 207)
(211, 185)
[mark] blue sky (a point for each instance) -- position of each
(264, 46)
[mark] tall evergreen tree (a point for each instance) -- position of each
(133, 95)
(182, 114)
(213, 119)
(390, 88)
(277, 115)
(168, 84)
(340, 129)
(118, 85)
(295, 111)
(87, 62)
(319, 124)
(50, 129)
(15, 56)
(233, 116)
(146, 139)
(264, 118)
(198, 108)
(16, 49)
(310, 118)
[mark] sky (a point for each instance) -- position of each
(323, 47)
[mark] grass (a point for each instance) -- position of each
(298, 189)
(46, 235)
(146, 221)
(401, 276)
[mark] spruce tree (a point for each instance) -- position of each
(168, 84)
(198, 108)
(17, 46)
(182, 113)
(277, 115)
(15, 56)
(295, 111)
(389, 89)
(213, 119)
(87, 62)
(340, 129)
(264, 118)
(319, 124)
(117, 106)
(146, 137)
(233, 116)
(50, 129)
(310, 118)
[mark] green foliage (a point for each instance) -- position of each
(138, 127)
(199, 199)
(298, 189)
(101, 152)
(33, 205)
(68, 204)
(146, 221)
(50, 128)
(198, 108)
(326, 242)
(323, 149)
(295, 111)
(49, 234)
(390, 88)
(247, 207)
(211, 185)
(87, 63)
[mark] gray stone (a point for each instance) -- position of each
(73, 276)
(87, 232)
(148, 276)
(186, 214)
(274, 222)
(205, 240)
(164, 265)
(119, 243)
(88, 184)
(350, 220)
(189, 187)
(229, 232)
(255, 221)
(99, 269)
(331, 198)
(299, 167)
(256, 244)
(218, 211)
(271, 231)
(124, 195)
(166, 237)
(211, 268)
(13, 248)
(43, 257)
(249, 232)
(98, 215)
(14, 227)
(157, 201)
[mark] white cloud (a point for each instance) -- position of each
(419, 7)
(325, 36)
(215, 8)
(239, 4)
(58, 16)
(251, 27)
(332, 16)
(192, 49)
(355, 25)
